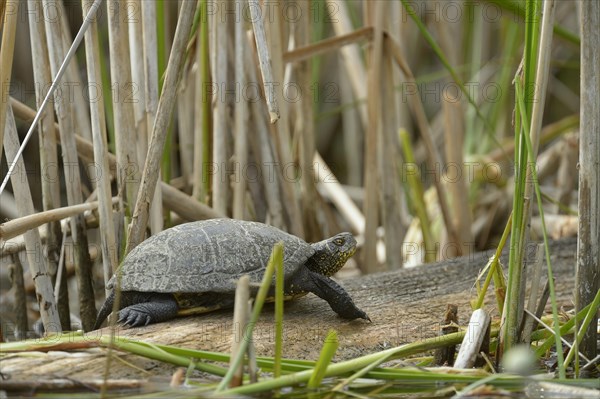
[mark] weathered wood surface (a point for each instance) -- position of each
(404, 305)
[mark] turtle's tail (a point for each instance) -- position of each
(105, 310)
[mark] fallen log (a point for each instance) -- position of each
(404, 305)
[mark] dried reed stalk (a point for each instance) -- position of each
(185, 206)
(13, 228)
(588, 245)
(181, 203)
(433, 156)
(281, 136)
(6, 58)
(340, 198)
(102, 179)
(264, 58)
(393, 224)
(138, 59)
(122, 97)
(371, 207)
(135, 30)
(20, 298)
(307, 51)
(160, 127)
(202, 110)
(185, 125)
(220, 179)
(150, 85)
(261, 148)
(241, 315)
(263, 152)
(48, 153)
(73, 77)
(241, 117)
(353, 137)
(305, 128)
(400, 34)
(351, 54)
(458, 189)
(65, 110)
(2, 10)
(150, 66)
(33, 243)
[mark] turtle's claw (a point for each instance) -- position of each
(364, 316)
(134, 317)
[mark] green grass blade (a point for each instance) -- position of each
(360, 373)
(276, 258)
(329, 348)
(559, 352)
(442, 57)
(584, 326)
(148, 350)
(279, 282)
(509, 50)
(520, 207)
(265, 363)
(493, 272)
(349, 366)
(564, 330)
(417, 195)
(516, 8)
(206, 117)
(196, 22)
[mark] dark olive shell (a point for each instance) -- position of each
(208, 256)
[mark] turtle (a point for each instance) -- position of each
(194, 267)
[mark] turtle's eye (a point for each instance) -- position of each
(339, 242)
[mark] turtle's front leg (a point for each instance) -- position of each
(156, 308)
(327, 289)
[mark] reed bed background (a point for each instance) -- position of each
(402, 122)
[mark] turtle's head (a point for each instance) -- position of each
(331, 254)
